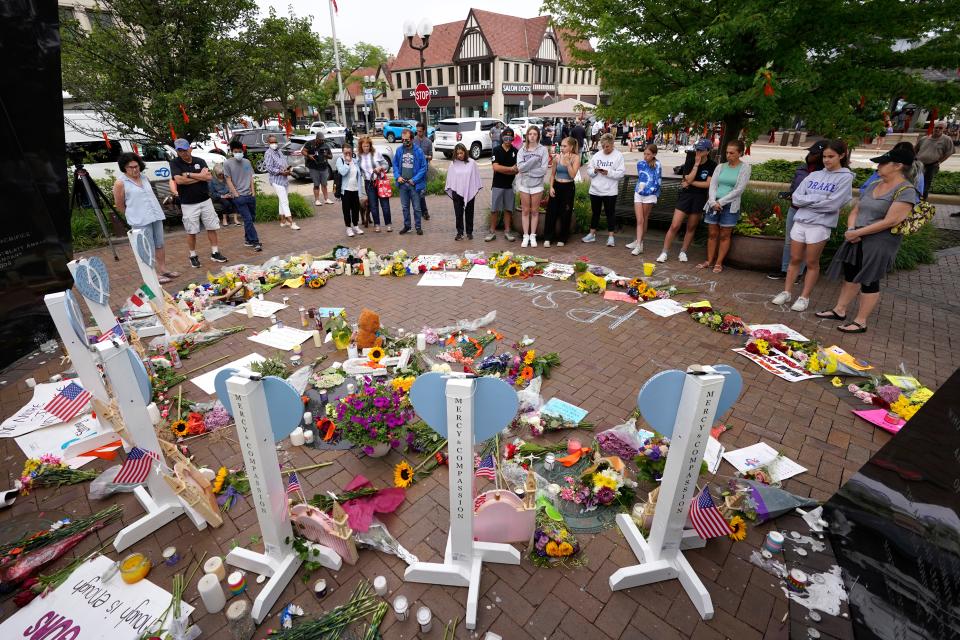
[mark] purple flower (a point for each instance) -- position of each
(889, 393)
(368, 450)
(606, 495)
(381, 403)
(655, 453)
(394, 443)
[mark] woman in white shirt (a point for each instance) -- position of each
(350, 186)
(605, 170)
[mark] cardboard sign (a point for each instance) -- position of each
(442, 279)
(778, 364)
(86, 608)
(780, 328)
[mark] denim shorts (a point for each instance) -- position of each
(155, 231)
(723, 217)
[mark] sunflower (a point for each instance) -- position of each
(527, 373)
(219, 480)
(179, 428)
(376, 354)
(513, 270)
(528, 359)
(403, 475)
(739, 529)
(316, 283)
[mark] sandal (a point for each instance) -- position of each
(163, 280)
(859, 327)
(171, 274)
(718, 268)
(830, 315)
(704, 265)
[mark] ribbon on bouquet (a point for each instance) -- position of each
(573, 458)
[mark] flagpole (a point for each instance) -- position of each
(336, 61)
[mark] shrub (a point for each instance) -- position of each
(268, 207)
(946, 182)
(436, 183)
(85, 230)
(762, 213)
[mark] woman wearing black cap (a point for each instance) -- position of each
(869, 248)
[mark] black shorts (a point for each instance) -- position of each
(691, 201)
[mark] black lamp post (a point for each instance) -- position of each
(424, 30)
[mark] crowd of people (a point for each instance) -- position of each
(546, 164)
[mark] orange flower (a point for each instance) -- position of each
(527, 373)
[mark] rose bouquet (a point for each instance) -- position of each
(375, 414)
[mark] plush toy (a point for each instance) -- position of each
(367, 330)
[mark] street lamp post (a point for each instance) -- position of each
(368, 82)
(424, 30)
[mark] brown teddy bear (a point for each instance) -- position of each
(367, 329)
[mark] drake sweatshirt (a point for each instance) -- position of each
(821, 195)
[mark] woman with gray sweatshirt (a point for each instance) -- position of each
(818, 201)
(532, 162)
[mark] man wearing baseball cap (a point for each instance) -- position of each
(192, 177)
(694, 189)
(932, 151)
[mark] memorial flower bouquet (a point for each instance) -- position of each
(553, 544)
(603, 484)
(375, 414)
(509, 265)
(717, 320)
(49, 471)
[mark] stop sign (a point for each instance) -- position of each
(422, 95)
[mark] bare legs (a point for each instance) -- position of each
(812, 258)
(678, 220)
(530, 212)
(161, 256)
(723, 248)
(642, 212)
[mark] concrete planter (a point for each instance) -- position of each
(757, 253)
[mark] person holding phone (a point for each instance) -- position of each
(694, 190)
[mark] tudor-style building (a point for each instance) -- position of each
(489, 64)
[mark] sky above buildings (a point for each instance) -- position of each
(380, 22)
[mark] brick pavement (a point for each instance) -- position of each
(602, 369)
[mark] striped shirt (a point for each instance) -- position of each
(276, 163)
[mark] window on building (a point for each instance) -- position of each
(464, 74)
(569, 71)
(506, 71)
(576, 76)
(475, 73)
(99, 18)
(408, 80)
(419, 77)
(516, 72)
(526, 73)
(590, 76)
(396, 81)
(485, 70)
(440, 77)
(429, 77)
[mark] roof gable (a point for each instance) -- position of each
(443, 43)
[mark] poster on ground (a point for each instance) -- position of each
(779, 364)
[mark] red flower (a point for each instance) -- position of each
(422, 268)
(510, 451)
(777, 211)
(441, 457)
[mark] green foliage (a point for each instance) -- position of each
(85, 230)
(150, 57)
(271, 366)
(946, 182)
(436, 184)
(268, 207)
(835, 66)
(762, 213)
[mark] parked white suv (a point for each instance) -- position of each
(473, 133)
(519, 125)
(329, 128)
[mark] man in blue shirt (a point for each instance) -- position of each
(410, 173)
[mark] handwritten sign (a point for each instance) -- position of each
(763, 455)
(86, 608)
(619, 296)
(570, 413)
(781, 328)
(55, 439)
(778, 364)
(442, 279)
(31, 416)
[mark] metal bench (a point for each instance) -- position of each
(662, 211)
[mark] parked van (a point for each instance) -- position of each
(473, 133)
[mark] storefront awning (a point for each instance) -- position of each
(569, 108)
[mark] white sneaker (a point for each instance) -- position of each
(682, 257)
(636, 251)
(533, 239)
(350, 232)
(526, 241)
(329, 201)
(295, 226)
(782, 298)
(632, 245)
(801, 304)
(546, 244)
(662, 257)
(590, 237)
(358, 230)
(560, 244)
(317, 203)
(611, 242)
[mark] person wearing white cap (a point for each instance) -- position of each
(191, 176)
(932, 151)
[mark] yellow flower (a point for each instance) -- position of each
(179, 428)
(513, 270)
(836, 381)
(763, 347)
(904, 408)
(403, 475)
(601, 481)
(220, 479)
(528, 359)
(739, 527)
(375, 354)
(402, 384)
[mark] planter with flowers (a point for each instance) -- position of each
(374, 417)
(757, 241)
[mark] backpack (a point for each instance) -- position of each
(337, 184)
(921, 214)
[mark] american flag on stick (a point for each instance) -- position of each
(115, 332)
(293, 484)
(706, 518)
(486, 468)
(68, 402)
(136, 467)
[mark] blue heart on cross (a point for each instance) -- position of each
(75, 317)
(284, 406)
(92, 280)
(143, 244)
(140, 375)
(494, 404)
(659, 397)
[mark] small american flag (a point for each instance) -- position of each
(293, 484)
(706, 518)
(486, 469)
(68, 402)
(115, 332)
(136, 467)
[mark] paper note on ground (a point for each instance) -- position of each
(619, 296)
(261, 308)
(293, 283)
(442, 279)
(565, 410)
(557, 271)
(321, 265)
(56, 438)
(664, 307)
(31, 416)
(285, 338)
(481, 272)
(713, 454)
(781, 328)
(907, 383)
(763, 455)
(205, 381)
(878, 418)
(845, 358)
(76, 608)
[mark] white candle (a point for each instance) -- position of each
(296, 437)
(400, 607)
(308, 437)
(154, 413)
(425, 619)
(215, 566)
(548, 461)
(249, 306)
(380, 586)
(31, 383)
(366, 267)
(316, 339)
(421, 341)
(211, 593)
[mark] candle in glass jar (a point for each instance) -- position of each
(573, 445)
(400, 607)
(316, 338)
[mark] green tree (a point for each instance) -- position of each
(754, 64)
(138, 67)
(364, 54)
